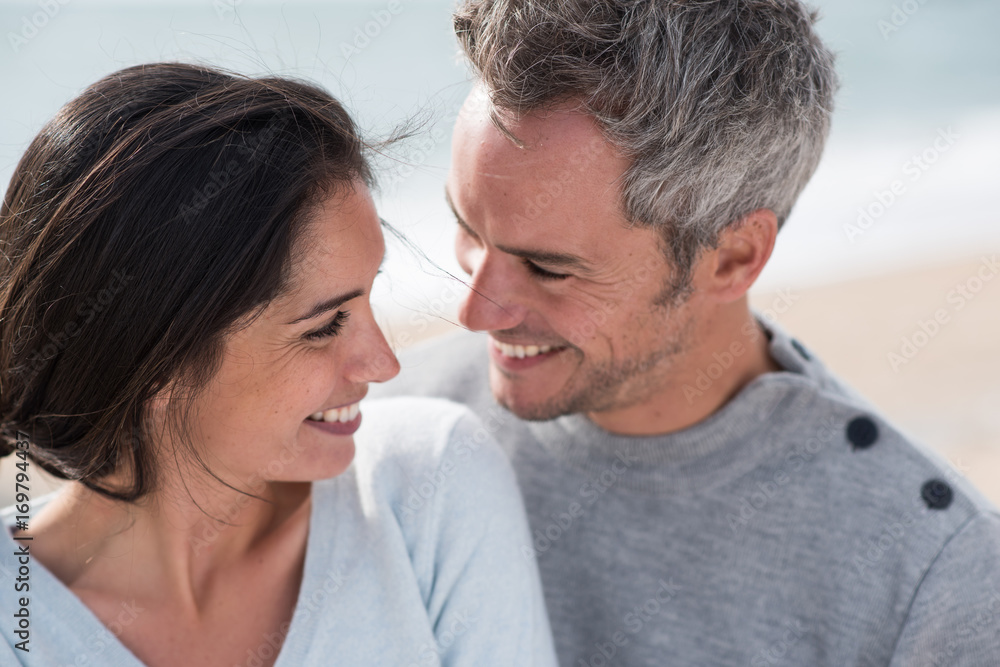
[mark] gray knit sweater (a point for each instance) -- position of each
(792, 527)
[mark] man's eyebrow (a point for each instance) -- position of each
(560, 259)
(548, 257)
(328, 305)
(458, 218)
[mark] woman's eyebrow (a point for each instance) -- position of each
(328, 305)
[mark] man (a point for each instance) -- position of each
(701, 490)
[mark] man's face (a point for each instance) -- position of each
(575, 300)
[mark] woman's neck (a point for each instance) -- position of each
(175, 542)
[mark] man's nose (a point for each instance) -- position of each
(492, 302)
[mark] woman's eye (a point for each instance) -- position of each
(331, 329)
(541, 273)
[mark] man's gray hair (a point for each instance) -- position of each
(722, 106)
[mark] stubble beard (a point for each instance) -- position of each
(608, 385)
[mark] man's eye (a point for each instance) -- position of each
(543, 274)
(331, 329)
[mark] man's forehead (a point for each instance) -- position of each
(553, 137)
(560, 192)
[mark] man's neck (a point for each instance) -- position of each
(726, 356)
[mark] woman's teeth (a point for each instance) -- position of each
(344, 414)
(521, 351)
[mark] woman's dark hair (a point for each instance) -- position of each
(154, 215)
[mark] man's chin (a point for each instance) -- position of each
(529, 408)
(529, 398)
(531, 412)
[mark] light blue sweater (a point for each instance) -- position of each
(412, 560)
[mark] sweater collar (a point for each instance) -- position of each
(736, 438)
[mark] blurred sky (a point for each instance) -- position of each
(914, 73)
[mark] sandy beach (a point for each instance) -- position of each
(923, 345)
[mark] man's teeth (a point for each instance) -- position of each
(344, 414)
(521, 351)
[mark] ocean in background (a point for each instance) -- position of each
(919, 108)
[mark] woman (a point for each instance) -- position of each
(186, 336)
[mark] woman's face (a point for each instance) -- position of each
(310, 354)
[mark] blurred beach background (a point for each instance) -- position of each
(886, 268)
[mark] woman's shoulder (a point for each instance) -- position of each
(417, 451)
(422, 431)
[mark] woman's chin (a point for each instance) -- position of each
(326, 457)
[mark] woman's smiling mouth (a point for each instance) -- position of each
(344, 420)
(343, 414)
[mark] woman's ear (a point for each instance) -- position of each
(728, 270)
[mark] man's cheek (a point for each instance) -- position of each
(594, 315)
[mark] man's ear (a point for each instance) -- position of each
(730, 269)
